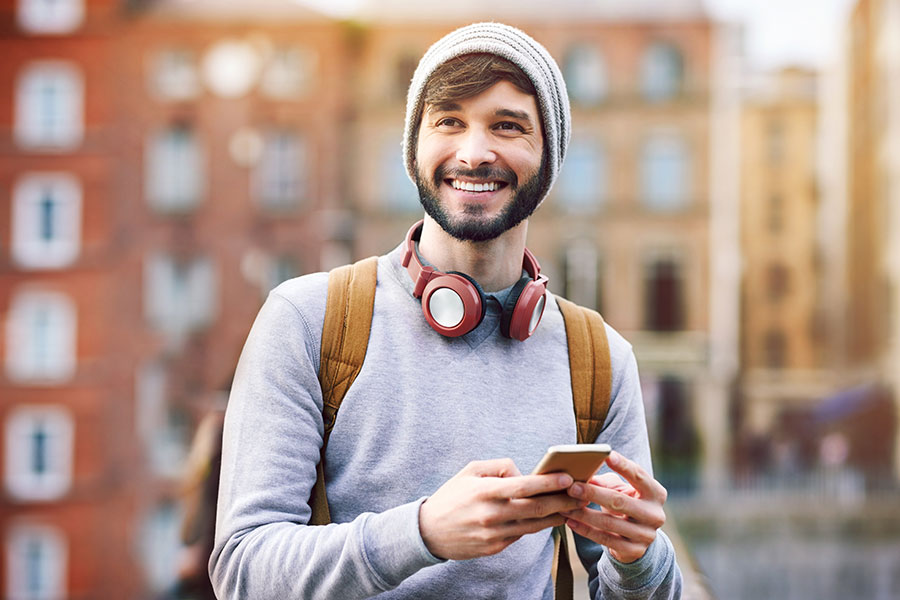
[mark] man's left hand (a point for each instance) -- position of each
(631, 510)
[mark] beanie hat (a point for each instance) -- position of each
(520, 49)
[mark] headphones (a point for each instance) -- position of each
(454, 304)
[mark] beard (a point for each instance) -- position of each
(472, 226)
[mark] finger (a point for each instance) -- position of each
(526, 526)
(604, 522)
(614, 481)
(637, 476)
(526, 486)
(499, 467)
(640, 510)
(537, 507)
(623, 549)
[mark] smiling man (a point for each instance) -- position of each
(464, 385)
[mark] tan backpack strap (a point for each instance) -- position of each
(590, 368)
(591, 371)
(345, 337)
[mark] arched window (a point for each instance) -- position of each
(665, 173)
(42, 328)
(664, 302)
(49, 105)
(46, 220)
(662, 72)
(582, 183)
(585, 74)
(175, 178)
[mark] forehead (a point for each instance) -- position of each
(502, 97)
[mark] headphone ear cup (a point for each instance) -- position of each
(509, 305)
(453, 304)
(520, 321)
(481, 296)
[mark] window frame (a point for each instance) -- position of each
(20, 480)
(29, 249)
(65, 130)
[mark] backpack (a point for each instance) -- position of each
(345, 338)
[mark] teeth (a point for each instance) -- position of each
(475, 187)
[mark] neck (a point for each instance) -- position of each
(495, 264)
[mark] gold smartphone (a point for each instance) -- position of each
(580, 461)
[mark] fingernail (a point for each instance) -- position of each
(577, 489)
(565, 480)
(613, 458)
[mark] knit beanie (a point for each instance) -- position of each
(520, 49)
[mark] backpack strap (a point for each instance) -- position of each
(345, 338)
(590, 368)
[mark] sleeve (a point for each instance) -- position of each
(656, 575)
(271, 443)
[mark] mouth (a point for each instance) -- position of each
(475, 186)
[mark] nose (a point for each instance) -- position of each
(475, 148)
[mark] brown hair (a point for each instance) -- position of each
(469, 75)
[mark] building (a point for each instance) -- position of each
(783, 334)
(873, 199)
(166, 164)
(66, 457)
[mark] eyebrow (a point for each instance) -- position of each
(515, 114)
(500, 112)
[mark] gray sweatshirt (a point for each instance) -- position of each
(421, 408)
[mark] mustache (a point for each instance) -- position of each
(483, 172)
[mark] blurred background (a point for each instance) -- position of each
(730, 203)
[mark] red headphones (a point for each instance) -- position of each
(454, 303)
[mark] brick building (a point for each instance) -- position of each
(164, 165)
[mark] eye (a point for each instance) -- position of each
(448, 122)
(510, 126)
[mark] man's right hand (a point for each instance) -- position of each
(489, 505)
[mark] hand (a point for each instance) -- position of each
(631, 510)
(489, 505)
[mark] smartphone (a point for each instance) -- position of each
(580, 461)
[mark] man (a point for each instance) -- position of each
(424, 464)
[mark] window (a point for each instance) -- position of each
(585, 73)
(665, 169)
(173, 74)
(39, 447)
(42, 330)
(397, 193)
(179, 295)
(281, 174)
(662, 72)
(279, 269)
(175, 178)
(778, 282)
(582, 268)
(36, 563)
(46, 221)
(289, 73)
(776, 213)
(49, 106)
(775, 141)
(664, 306)
(404, 68)
(775, 349)
(159, 547)
(50, 16)
(583, 181)
(164, 431)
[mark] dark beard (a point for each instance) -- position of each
(524, 201)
